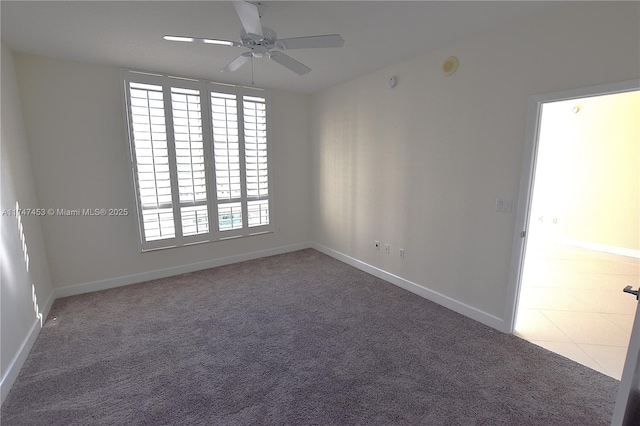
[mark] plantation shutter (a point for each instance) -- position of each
(255, 134)
(149, 137)
(190, 160)
(228, 170)
(199, 155)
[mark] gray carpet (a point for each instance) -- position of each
(294, 339)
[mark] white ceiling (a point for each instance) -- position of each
(129, 34)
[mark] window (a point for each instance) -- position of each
(199, 159)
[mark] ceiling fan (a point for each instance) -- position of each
(263, 42)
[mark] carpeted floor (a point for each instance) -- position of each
(294, 339)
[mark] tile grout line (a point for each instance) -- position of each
(577, 344)
(591, 270)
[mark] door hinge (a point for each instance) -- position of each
(522, 234)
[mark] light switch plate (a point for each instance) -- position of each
(503, 205)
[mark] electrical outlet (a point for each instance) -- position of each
(401, 253)
(377, 243)
(387, 249)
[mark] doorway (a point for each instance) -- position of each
(582, 241)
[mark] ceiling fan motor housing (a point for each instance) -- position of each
(256, 41)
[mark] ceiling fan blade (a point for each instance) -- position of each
(201, 40)
(237, 62)
(289, 62)
(330, 40)
(249, 16)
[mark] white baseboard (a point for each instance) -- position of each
(604, 248)
(73, 290)
(20, 357)
(434, 296)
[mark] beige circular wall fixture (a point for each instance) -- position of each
(449, 66)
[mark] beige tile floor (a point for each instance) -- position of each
(571, 302)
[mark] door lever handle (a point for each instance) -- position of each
(629, 289)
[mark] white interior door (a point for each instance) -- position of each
(627, 408)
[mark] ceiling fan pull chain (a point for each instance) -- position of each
(252, 82)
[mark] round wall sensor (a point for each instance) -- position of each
(449, 66)
(392, 82)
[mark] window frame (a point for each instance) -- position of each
(205, 89)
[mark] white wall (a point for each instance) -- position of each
(75, 127)
(19, 324)
(420, 166)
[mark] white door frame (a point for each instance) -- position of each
(529, 156)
